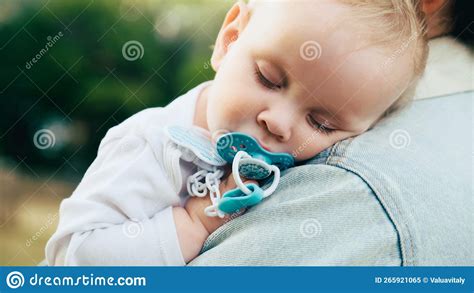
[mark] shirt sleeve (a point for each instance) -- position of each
(319, 215)
(120, 213)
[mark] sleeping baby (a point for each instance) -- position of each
(296, 76)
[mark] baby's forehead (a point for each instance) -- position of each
(301, 14)
(283, 27)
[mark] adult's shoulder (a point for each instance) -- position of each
(419, 166)
(319, 215)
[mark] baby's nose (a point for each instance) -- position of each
(276, 123)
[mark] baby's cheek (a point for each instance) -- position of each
(236, 109)
(224, 114)
(309, 146)
(233, 106)
(235, 117)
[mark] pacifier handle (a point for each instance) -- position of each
(234, 200)
(242, 186)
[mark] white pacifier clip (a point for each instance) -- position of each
(212, 181)
(211, 184)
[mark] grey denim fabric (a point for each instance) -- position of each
(399, 194)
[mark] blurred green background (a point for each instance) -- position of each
(70, 70)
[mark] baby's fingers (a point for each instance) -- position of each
(229, 183)
(251, 181)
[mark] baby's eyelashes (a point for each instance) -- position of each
(263, 80)
(323, 127)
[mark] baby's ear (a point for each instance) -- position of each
(234, 23)
(432, 6)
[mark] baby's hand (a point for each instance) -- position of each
(193, 226)
(196, 205)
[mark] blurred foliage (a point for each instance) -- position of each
(82, 85)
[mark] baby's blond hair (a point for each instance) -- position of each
(401, 25)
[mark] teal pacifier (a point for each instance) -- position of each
(251, 161)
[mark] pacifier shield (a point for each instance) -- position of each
(230, 143)
(197, 140)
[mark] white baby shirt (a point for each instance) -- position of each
(120, 213)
